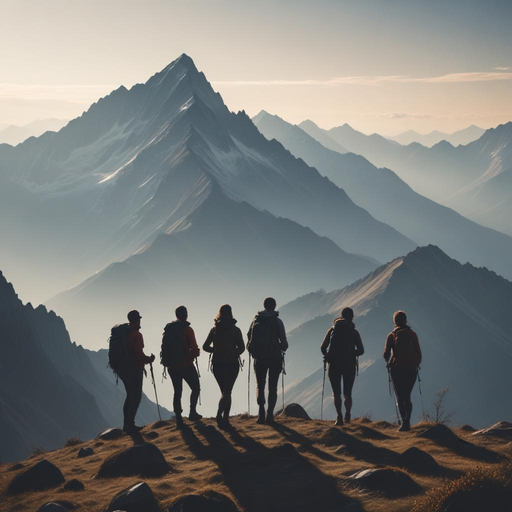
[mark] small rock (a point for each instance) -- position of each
(441, 434)
(74, 485)
(143, 459)
(467, 428)
(110, 434)
(161, 423)
(52, 506)
(40, 476)
(294, 411)
(151, 435)
(86, 451)
(418, 461)
(390, 482)
(137, 498)
(210, 501)
(16, 467)
(502, 430)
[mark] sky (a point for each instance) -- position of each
(382, 66)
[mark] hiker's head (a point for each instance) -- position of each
(270, 304)
(347, 314)
(225, 311)
(400, 318)
(134, 317)
(181, 313)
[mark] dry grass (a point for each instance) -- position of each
(289, 467)
(73, 441)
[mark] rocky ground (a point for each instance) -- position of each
(295, 465)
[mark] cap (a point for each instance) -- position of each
(133, 315)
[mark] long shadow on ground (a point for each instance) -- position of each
(271, 479)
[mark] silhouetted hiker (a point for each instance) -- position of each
(403, 355)
(225, 343)
(179, 349)
(127, 359)
(341, 347)
(267, 343)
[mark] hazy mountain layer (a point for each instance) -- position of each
(13, 134)
(459, 137)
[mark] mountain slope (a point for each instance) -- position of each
(459, 137)
(459, 312)
(388, 198)
(49, 390)
(13, 134)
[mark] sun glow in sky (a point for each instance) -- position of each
(379, 65)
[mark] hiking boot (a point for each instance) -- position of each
(405, 427)
(347, 418)
(220, 420)
(132, 429)
(339, 421)
(261, 416)
(194, 416)
(179, 422)
(270, 419)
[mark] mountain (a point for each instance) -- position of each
(49, 389)
(460, 313)
(314, 131)
(382, 193)
(459, 137)
(224, 251)
(139, 161)
(14, 134)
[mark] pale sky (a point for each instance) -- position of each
(380, 65)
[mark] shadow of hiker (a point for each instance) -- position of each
(271, 479)
(137, 438)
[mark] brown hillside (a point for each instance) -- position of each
(296, 465)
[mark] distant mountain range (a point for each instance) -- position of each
(13, 134)
(460, 314)
(460, 137)
(50, 388)
(382, 193)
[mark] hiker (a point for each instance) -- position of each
(267, 343)
(179, 350)
(225, 344)
(132, 371)
(403, 365)
(341, 347)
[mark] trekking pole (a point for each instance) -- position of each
(199, 377)
(249, 387)
(323, 390)
(282, 380)
(392, 385)
(154, 385)
(421, 394)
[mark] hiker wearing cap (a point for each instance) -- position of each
(267, 343)
(403, 357)
(341, 347)
(179, 350)
(133, 372)
(225, 343)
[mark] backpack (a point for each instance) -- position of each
(224, 346)
(172, 354)
(404, 348)
(341, 345)
(264, 338)
(118, 350)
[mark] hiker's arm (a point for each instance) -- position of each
(325, 344)
(387, 349)
(239, 340)
(249, 332)
(208, 344)
(282, 335)
(138, 348)
(191, 341)
(359, 351)
(418, 349)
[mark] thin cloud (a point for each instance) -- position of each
(502, 68)
(377, 80)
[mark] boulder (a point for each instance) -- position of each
(85, 452)
(151, 435)
(40, 476)
(52, 506)
(110, 434)
(137, 498)
(294, 411)
(417, 461)
(441, 434)
(16, 467)
(210, 501)
(139, 460)
(387, 481)
(502, 430)
(74, 485)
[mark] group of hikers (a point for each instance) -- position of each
(266, 344)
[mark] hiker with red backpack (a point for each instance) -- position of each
(127, 360)
(341, 347)
(267, 344)
(225, 343)
(403, 357)
(179, 350)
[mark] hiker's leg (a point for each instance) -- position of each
(230, 376)
(261, 369)
(335, 380)
(275, 369)
(397, 375)
(219, 374)
(177, 384)
(128, 422)
(349, 376)
(409, 381)
(192, 379)
(137, 391)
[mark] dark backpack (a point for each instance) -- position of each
(172, 354)
(224, 344)
(404, 348)
(341, 345)
(118, 350)
(264, 338)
